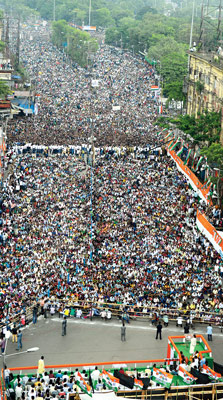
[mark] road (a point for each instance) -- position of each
(98, 341)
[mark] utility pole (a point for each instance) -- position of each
(202, 25)
(219, 36)
(7, 38)
(191, 33)
(208, 11)
(18, 44)
(89, 19)
(54, 10)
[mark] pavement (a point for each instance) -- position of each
(98, 341)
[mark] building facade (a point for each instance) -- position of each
(205, 84)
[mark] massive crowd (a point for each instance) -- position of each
(70, 108)
(125, 236)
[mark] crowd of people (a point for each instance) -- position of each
(122, 232)
(70, 107)
(53, 385)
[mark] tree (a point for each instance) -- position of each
(59, 33)
(172, 65)
(118, 13)
(204, 129)
(2, 46)
(214, 154)
(112, 36)
(4, 89)
(102, 17)
(144, 10)
(78, 45)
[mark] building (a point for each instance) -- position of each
(205, 83)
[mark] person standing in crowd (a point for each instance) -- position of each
(186, 328)
(19, 340)
(209, 332)
(35, 311)
(193, 343)
(159, 331)
(123, 331)
(41, 366)
(6, 375)
(14, 333)
(64, 326)
(3, 343)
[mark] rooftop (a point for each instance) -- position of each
(213, 57)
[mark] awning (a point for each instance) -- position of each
(16, 77)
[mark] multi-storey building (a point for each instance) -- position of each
(205, 84)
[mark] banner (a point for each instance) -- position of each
(180, 151)
(110, 381)
(138, 384)
(210, 232)
(192, 178)
(211, 373)
(175, 144)
(187, 377)
(168, 135)
(188, 157)
(162, 377)
(199, 162)
(160, 133)
(85, 388)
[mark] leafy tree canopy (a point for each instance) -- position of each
(214, 154)
(4, 90)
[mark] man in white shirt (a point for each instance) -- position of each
(95, 375)
(18, 391)
(193, 343)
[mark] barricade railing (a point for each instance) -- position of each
(134, 312)
(201, 352)
(102, 364)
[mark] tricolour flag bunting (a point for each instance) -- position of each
(162, 377)
(187, 377)
(138, 384)
(211, 373)
(83, 385)
(109, 380)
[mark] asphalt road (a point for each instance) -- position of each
(97, 341)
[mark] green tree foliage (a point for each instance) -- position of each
(2, 46)
(118, 13)
(205, 129)
(78, 45)
(4, 90)
(172, 65)
(102, 17)
(159, 27)
(144, 10)
(214, 154)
